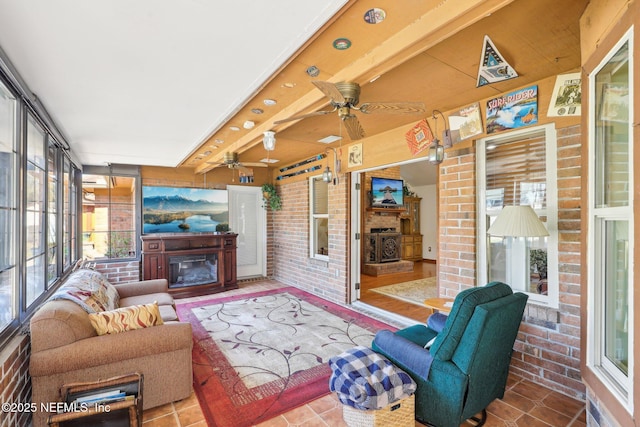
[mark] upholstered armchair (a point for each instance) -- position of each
(460, 362)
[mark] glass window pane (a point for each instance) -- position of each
(8, 208)
(320, 196)
(616, 298)
(7, 310)
(516, 174)
(109, 216)
(35, 143)
(612, 131)
(35, 278)
(321, 229)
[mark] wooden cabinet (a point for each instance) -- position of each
(410, 229)
(191, 262)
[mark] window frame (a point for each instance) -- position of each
(550, 300)
(119, 171)
(620, 386)
(313, 217)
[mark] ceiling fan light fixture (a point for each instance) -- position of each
(269, 140)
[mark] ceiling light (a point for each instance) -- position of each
(248, 124)
(218, 141)
(289, 85)
(234, 128)
(329, 139)
(270, 102)
(206, 153)
(269, 160)
(269, 140)
(257, 110)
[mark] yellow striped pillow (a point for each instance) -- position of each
(126, 319)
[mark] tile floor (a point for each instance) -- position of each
(524, 404)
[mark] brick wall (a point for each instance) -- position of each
(120, 272)
(288, 242)
(548, 347)
(15, 381)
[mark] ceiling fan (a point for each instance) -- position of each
(232, 161)
(345, 96)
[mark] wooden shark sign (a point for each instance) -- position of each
(493, 67)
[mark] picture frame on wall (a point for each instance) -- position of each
(566, 98)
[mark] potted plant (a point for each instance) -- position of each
(270, 197)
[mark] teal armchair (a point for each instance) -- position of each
(466, 364)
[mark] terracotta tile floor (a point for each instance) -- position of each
(524, 404)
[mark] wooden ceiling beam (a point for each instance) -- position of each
(435, 25)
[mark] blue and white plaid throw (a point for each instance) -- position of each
(365, 379)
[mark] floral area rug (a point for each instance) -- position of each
(259, 355)
(415, 291)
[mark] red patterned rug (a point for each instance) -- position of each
(259, 355)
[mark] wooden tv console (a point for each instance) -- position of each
(191, 262)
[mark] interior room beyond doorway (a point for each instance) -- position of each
(399, 244)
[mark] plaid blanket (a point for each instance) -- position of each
(366, 380)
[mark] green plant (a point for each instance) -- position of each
(538, 260)
(270, 197)
(222, 227)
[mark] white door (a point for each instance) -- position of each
(247, 219)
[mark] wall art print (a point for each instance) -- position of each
(566, 97)
(466, 122)
(181, 210)
(513, 110)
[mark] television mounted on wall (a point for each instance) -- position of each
(387, 192)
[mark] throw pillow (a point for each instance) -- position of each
(126, 319)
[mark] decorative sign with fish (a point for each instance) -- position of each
(513, 110)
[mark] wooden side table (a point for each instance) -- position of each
(115, 413)
(439, 304)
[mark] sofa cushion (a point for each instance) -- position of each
(89, 289)
(126, 319)
(161, 298)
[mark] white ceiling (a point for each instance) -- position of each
(147, 81)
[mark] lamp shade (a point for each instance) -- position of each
(518, 221)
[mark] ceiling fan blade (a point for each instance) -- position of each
(331, 91)
(254, 164)
(353, 126)
(392, 107)
(304, 116)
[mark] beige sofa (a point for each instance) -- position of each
(65, 348)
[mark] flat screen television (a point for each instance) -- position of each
(386, 192)
(181, 210)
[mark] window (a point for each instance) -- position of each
(519, 169)
(35, 249)
(319, 218)
(8, 208)
(52, 214)
(109, 206)
(611, 221)
(38, 205)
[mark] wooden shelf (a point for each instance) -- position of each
(395, 211)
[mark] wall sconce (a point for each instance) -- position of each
(436, 150)
(269, 140)
(327, 175)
